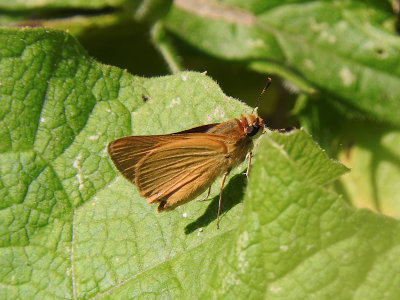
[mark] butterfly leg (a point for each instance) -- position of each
(208, 194)
(220, 196)
(248, 156)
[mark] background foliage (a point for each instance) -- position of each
(71, 227)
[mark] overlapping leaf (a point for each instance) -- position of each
(342, 48)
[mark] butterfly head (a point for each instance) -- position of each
(252, 124)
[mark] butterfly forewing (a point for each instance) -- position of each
(127, 152)
(171, 173)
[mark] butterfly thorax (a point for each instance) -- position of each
(239, 135)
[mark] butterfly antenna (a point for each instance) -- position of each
(269, 80)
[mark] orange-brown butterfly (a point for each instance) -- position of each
(175, 168)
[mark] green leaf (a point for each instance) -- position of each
(297, 240)
(84, 18)
(371, 151)
(312, 160)
(374, 157)
(342, 48)
(88, 4)
(72, 227)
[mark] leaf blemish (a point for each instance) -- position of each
(77, 166)
(241, 247)
(316, 27)
(309, 64)
(327, 36)
(347, 76)
(284, 248)
(94, 137)
(217, 112)
(174, 102)
(200, 231)
(276, 289)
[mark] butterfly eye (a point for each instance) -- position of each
(251, 130)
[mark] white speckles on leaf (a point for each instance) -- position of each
(200, 231)
(77, 166)
(229, 281)
(346, 76)
(218, 112)
(104, 152)
(94, 137)
(255, 43)
(242, 240)
(284, 248)
(315, 26)
(309, 247)
(309, 64)
(342, 25)
(327, 36)
(275, 289)
(241, 247)
(175, 101)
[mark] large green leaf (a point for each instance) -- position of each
(341, 48)
(375, 160)
(72, 227)
(369, 148)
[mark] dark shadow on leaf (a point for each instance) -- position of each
(232, 194)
